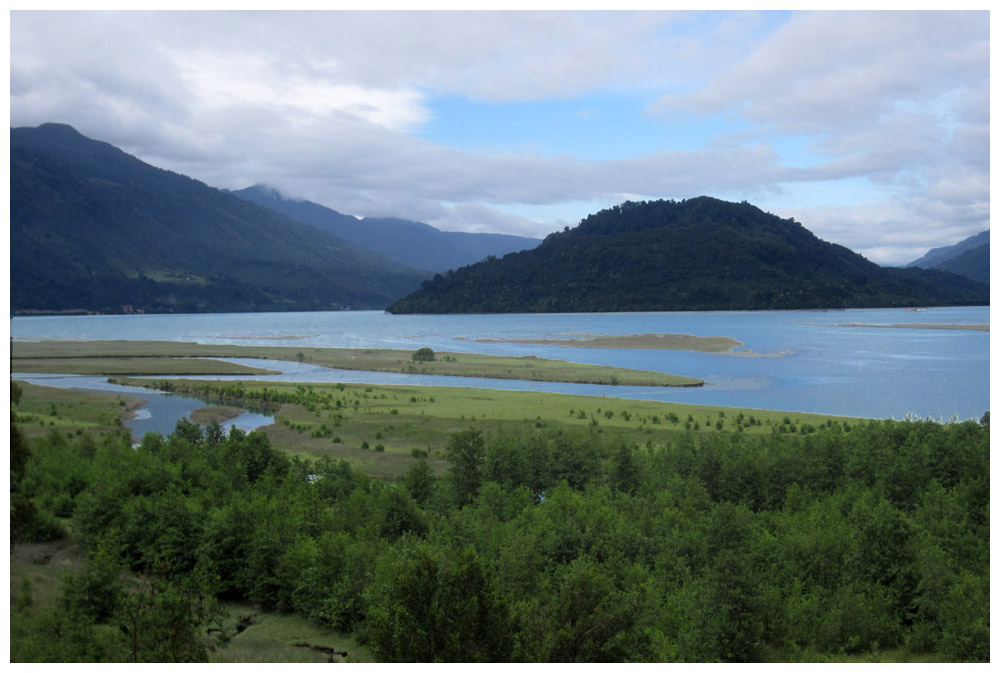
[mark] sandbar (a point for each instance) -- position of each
(672, 342)
(279, 337)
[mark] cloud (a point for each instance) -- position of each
(329, 106)
(828, 70)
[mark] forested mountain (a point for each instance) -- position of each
(696, 254)
(969, 258)
(93, 228)
(412, 243)
(974, 264)
(940, 255)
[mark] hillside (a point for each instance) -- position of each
(937, 256)
(974, 264)
(95, 229)
(697, 254)
(969, 258)
(412, 243)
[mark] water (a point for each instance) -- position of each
(873, 372)
(160, 411)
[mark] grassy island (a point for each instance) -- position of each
(150, 358)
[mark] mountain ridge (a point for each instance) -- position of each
(408, 242)
(696, 254)
(969, 257)
(936, 256)
(94, 228)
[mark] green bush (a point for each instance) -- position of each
(424, 354)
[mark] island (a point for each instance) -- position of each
(123, 357)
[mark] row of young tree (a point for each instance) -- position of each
(538, 546)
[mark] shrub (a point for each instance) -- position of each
(424, 354)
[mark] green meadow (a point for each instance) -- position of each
(383, 430)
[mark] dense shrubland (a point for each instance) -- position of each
(538, 545)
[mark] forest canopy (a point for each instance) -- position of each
(848, 541)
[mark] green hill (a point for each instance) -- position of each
(697, 254)
(95, 229)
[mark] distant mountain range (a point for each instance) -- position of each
(415, 244)
(969, 258)
(95, 229)
(697, 254)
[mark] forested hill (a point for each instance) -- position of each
(95, 229)
(696, 254)
(412, 243)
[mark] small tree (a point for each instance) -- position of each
(466, 452)
(424, 354)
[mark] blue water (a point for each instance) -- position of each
(804, 361)
(160, 410)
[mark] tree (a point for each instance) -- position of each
(401, 515)
(625, 472)
(163, 621)
(466, 452)
(419, 481)
(424, 354)
(426, 605)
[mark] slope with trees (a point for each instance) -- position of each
(969, 258)
(93, 228)
(974, 264)
(698, 254)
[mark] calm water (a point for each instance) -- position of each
(160, 411)
(804, 361)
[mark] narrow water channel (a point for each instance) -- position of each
(160, 410)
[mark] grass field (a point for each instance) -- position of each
(44, 408)
(381, 429)
(279, 638)
(139, 357)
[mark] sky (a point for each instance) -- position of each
(869, 128)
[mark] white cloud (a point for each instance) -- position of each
(326, 106)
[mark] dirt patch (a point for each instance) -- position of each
(59, 553)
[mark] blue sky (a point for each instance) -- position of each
(870, 128)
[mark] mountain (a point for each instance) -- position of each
(95, 229)
(940, 255)
(974, 264)
(697, 254)
(412, 243)
(969, 258)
